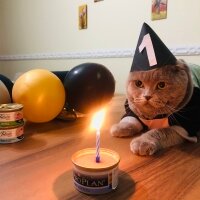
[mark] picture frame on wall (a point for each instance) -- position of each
(159, 9)
(82, 11)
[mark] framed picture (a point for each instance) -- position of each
(159, 9)
(82, 11)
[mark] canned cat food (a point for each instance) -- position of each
(95, 178)
(11, 115)
(11, 123)
(11, 135)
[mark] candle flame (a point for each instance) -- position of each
(97, 119)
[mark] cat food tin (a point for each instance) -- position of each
(11, 122)
(91, 177)
(11, 115)
(11, 135)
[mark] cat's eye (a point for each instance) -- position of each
(139, 83)
(161, 85)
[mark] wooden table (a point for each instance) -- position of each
(40, 168)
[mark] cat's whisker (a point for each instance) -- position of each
(177, 113)
(169, 110)
(138, 100)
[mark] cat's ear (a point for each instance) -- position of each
(181, 64)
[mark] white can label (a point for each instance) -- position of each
(11, 133)
(11, 116)
(96, 183)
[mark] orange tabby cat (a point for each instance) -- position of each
(160, 101)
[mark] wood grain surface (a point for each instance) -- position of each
(39, 167)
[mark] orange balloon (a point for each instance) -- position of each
(42, 94)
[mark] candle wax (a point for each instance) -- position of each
(87, 159)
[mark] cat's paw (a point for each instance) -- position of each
(143, 147)
(121, 130)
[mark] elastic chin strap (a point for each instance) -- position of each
(161, 116)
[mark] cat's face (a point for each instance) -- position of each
(158, 91)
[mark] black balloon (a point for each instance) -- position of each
(88, 86)
(60, 74)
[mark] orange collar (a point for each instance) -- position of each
(156, 123)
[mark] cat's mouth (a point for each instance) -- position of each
(157, 104)
(154, 103)
(151, 111)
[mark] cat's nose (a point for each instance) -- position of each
(147, 97)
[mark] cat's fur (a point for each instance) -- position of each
(157, 92)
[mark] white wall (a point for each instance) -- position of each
(32, 27)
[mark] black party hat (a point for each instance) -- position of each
(151, 52)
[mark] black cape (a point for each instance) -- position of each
(188, 117)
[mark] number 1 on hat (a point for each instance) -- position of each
(147, 43)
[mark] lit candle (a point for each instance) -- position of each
(96, 123)
(100, 175)
(97, 146)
